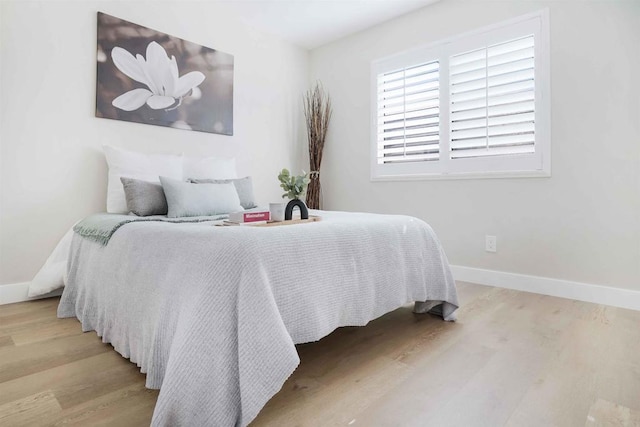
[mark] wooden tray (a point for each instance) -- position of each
(312, 218)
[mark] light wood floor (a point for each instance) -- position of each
(513, 358)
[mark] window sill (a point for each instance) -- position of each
(460, 175)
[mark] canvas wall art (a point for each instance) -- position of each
(146, 76)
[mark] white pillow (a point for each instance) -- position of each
(129, 164)
(209, 168)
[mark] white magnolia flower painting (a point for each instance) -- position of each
(159, 73)
(150, 77)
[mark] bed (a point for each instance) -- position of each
(212, 314)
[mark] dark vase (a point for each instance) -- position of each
(288, 212)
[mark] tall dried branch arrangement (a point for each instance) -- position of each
(317, 111)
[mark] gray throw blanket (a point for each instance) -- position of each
(212, 314)
(100, 227)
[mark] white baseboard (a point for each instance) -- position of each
(18, 292)
(607, 295)
(616, 297)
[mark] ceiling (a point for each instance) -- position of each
(312, 23)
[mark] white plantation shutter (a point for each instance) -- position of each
(476, 105)
(492, 96)
(408, 114)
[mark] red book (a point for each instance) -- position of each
(249, 216)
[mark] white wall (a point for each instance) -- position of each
(583, 223)
(52, 168)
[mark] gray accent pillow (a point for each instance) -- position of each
(189, 199)
(144, 198)
(244, 186)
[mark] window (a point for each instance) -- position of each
(409, 114)
(473, 106)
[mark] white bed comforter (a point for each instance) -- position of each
(211, 314)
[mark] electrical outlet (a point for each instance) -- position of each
(490, 243)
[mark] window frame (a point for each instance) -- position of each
(537, 164)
